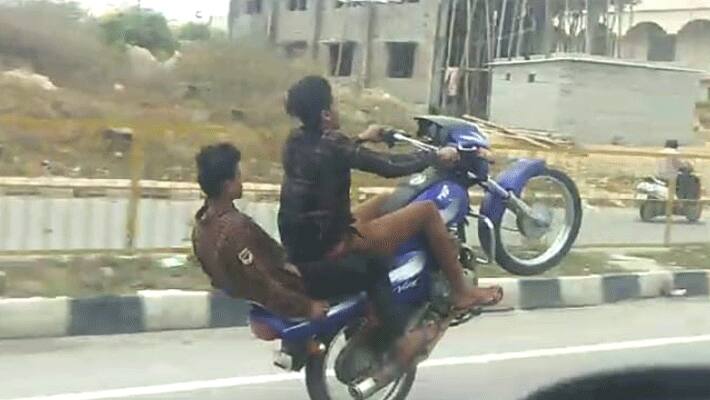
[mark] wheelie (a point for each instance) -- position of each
(330, 306)
(418, 283)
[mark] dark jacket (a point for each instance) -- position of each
(315, 193)
(245, 262)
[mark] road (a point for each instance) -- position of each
(31, 223)
(502, 356)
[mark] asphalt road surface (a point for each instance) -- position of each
(501, 356)
(31, 223)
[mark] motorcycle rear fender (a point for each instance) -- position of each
(513, 179)
(299, 331)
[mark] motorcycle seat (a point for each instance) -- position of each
(302, 329)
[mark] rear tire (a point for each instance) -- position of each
(317, 381)
(694, 212)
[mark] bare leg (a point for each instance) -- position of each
(387, 233)
(371, 209)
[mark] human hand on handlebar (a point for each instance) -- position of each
(448, 156)
(374, 133)
(319, 310)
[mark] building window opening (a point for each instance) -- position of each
(297, 5)
(401, 59)
(341, 58)
(254, 6)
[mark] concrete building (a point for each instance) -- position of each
(675, 31)
(359, 43)
(596, 99)
(440, 54)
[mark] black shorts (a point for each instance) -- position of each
(349, 275)
(353, 274)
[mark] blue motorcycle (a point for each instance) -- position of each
(539, 206)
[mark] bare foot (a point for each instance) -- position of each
(478, 296)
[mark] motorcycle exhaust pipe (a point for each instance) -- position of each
(365, 389)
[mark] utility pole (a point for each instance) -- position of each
(501, 28)
(369, 36)
(620, 32)
(548, 30)
(315, 45)
(521, 27)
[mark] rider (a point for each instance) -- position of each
(244, 261)
(237, 255)
(669, 167)
(315, 219)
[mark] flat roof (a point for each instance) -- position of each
(584, 58)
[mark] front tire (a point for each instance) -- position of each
(518, 267)
(320, 386)
(647, 211)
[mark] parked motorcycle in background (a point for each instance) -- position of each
(653, 195)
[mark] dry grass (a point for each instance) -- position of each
(82, 276)
(65, 126)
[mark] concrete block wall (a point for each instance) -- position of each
(644, 106)
(516, 102)
(596, 100)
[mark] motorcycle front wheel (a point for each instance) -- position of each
(322, 383)
(526, 246)
(648, 211)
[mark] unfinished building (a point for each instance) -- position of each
(440, 53)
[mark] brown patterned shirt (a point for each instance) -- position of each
(245, 262)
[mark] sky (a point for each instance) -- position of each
(176, 10)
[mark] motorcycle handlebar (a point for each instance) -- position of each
(393, 136)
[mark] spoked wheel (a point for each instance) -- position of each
(528, 245)
(323, 384)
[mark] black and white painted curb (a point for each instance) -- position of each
(173, 309)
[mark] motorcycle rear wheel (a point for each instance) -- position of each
(322, 384)
(694, 212)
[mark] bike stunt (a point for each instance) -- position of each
(359, 298)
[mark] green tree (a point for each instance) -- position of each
(58, 40)
(194, 31)
(140, 27)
